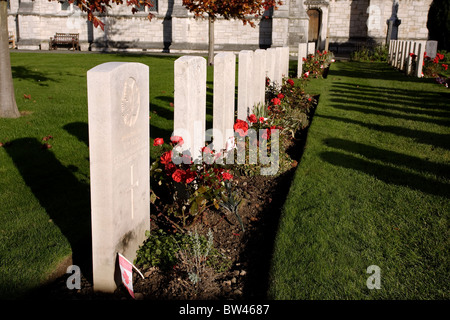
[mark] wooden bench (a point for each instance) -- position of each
(70, 39)
(11, 39)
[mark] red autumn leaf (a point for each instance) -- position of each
(27, 96)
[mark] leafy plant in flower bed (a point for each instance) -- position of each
(184, 191)
(186, 188)
(315, 65)
(432, 68)
(161, 249)
(378, 53)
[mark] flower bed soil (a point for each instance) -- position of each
(249, 252)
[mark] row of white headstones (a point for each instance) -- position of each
(400, 56)
(118, 107)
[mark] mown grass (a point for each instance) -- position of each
(45, 206)
(372, 188)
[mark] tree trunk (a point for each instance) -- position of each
(8, 107)
(211, 42)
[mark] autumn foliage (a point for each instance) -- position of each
(100, 6)
(231, 9)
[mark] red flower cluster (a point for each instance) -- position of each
(184, 176)
(158, 142)
(291, 82)
(267, 132)
(241, 127)
(438, 57)
(275, 101)
(252, 119)
(177, 140)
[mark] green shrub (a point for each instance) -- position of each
(162, 250)
(378, 53)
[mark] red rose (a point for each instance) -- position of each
(261, 119)
(158, 142)
(207, 150)
(166, 157)
(170, 168)
(440, 56)
(177, 140)
(291, 82)
(190, 175)
(280, 96)
(179, 175)
(252, 118)
(227, 176)
(276, 101)
(445, 66)
(241, 127)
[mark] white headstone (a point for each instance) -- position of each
(311, 48)
(190, 104)
(259, 67)
(285, 64)
(278, 65)
(118, 108)
(271, 56)
(223, 99)
(406, 55)
(302, 53)
(420, 53)
(394, 52)
(391, 50)
(431, 48)
(412, 50)
(400, 54)
(245, 85)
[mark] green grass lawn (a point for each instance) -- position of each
(372, 188)
(45, 209)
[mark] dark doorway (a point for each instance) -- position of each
(314, 24)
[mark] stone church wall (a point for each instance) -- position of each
(173, 27)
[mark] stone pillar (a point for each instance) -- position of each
(190, 104)
(118, 113)
(280, 25)
(298, 23)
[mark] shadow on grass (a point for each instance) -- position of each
(24, 73)
(80, 130)
(259, 249)
(65, 199)
(366, 70)
(388, 174)
(386, 97)
(390, 157)
(441, 140)
(391, 115)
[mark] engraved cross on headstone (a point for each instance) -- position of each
(133, 184)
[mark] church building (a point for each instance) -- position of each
(339, 25)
